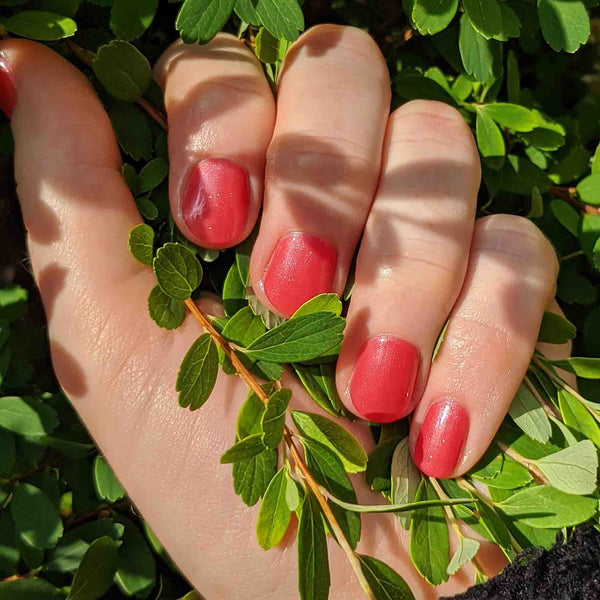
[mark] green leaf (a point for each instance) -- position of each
(129, 19)
(555, 329)
(313, 563)
(589, 189)
(329, 303)
(166, 312)
(565, 24)
(244, 449)
(132, 130)
(511, 116)
(27, 416)
(429, 545)
(141, 243)
(252, 476)
(432, 16)
(282, 18)
(577, 417)
(405, 479)
(136, 573)
(68, 554)
(566, 215)
(520, 176)
(273, 419)
(199, 21)
(495, 528)
(244, 327)
(198, 373)
(481, 58)
(485, 17)
(123, 70)
(40, 25)
(490, 140)
(250, 414)
(246, 11)
(384, 582)
(152, 175)
(234, 292)
(32, 588)
(36, 518)
(8, 453)
(266, 47)
(314, 379)
(299, 340)
(546, 507)
(333, 436)
(177, 271)
(572, 470)
(529, 415)
(329, 472)
(586, 368)
(274, 515)
(412, 86)
(97, 570)
(106, 483)
(467, 549)
(513, 78)
(571, 167)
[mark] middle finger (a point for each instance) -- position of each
(322, 165)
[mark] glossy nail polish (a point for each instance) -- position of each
(8, 91)
(216, 201)
(384, 378)
(301, 267)
(442, 438)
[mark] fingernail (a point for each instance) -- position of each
(384, 378)
(216, 201)
(301, 267)
(8, 90)
(442, 438)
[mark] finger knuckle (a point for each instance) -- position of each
(516, 236)
(431, 122)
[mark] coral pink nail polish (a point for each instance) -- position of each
(216, 201)
(301, 267)
(384, 378)
(8, 90)
(442, 438)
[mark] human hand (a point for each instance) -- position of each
(419, 263)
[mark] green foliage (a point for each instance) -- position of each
(533, 112)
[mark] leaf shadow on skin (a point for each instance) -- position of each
(51, 281)
(68, 371)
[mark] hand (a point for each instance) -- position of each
(337, 167)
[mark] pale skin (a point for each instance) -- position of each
(407, 183)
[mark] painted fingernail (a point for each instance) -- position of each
(384, 378)
(8, 90)
(442, 438)
(301, 267)
(216, 201)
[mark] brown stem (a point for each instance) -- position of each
(536, 473)
(568, 195)
(550, 409)
(251, 382)
(24, 476)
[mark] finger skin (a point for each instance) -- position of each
(412, 260)
(221, 113)
(491, 335)
(119, 369)
(333, 99)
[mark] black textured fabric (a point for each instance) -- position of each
(568, 571)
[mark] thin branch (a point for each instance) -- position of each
(537, 474)
(568, 194)
(550, 409)
(315, 488)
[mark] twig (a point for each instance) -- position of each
(537, 474)
(314, 487)
(452, 519)
(568, 195)
(550, 409)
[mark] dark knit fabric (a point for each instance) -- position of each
(568, 571)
